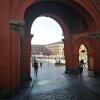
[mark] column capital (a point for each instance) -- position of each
(16, 25)
(67, 41)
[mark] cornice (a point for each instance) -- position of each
(16, 25)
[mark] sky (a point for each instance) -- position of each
(45, 30)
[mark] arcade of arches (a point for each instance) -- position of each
(80, 22)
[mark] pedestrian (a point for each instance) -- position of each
(59, 61)
(35, 67)
(40, 64)
(81, 66)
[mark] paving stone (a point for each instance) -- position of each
(70, 93)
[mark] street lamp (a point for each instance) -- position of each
(48, 58)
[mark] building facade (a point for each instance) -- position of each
(53, 49)
(39, 50)
(57, 48)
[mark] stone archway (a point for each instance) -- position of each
(18, 10)
(21, 12)
(82, 6)
(13, 22)
(25, 56)
(88, 43)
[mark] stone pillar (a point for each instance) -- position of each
(5, 52)
(68, 51)
(25, 58)
(95, 59)
(16, 32)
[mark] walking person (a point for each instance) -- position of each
(35, 67)
(81, 66)
(40, 64)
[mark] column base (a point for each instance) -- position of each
(25, 77)
(67, 71)
(5, 93)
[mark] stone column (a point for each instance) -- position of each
(24, 47)
(16, 30)
(25, 58)
(94, 60)
(68, 51)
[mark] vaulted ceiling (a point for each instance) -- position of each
(72, 18)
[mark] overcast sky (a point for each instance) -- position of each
(46, 30)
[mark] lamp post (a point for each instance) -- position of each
(48, 58)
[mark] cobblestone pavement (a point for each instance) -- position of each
(70, 93)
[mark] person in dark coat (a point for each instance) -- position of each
(40, 64)
(35, 67)
(81, 66)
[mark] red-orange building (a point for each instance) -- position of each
(80, 22)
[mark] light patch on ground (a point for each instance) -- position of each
(45, 82)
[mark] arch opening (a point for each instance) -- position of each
(86, 52)
(47, 39)
(34, 11)
(83, 54)
(46, 30)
